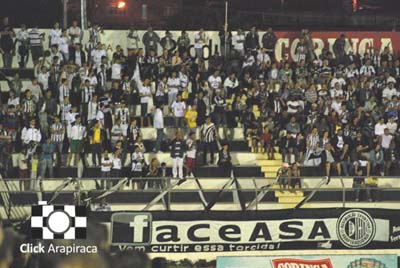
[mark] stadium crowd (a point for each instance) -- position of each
(338, 110)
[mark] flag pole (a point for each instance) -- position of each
(226, 28)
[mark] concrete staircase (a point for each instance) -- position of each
(286, 198)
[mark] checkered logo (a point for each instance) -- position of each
(58, 222)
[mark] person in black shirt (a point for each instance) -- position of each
(7, 43)
(225, 160)
(178, 149)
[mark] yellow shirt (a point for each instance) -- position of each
(34, 165)
(96, 138)
(191, 117)
(185, 95)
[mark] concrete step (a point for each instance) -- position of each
(289, 200)
(270, 174)
(270, 169)
(269, 162)
(297, 193)
(262, 156)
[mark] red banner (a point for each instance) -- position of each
(300, 263)
(360, 42)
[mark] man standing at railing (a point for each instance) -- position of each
(178, 150)
(46, 161)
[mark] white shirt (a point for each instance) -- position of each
(389, 93)
(263, 58)
(116, 70)
(379, 129)
(199, 39)
(145, 90)
(53, 35)
(386, 139)
(78, 132)
(158, 119)
(191, 153)
(63, 44)
(138, 157)
(392, 127)
(238, 41)
(178, 108)
(32, 134)
(231, 84)
(106, 164)
(116, 163)
(173, 84)
(214, 82)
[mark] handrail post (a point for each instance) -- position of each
(343, 192)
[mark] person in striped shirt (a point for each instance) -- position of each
(209, 137)
(57, 131)
(35, 43)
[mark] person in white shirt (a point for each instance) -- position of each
(97, 54)
(215, 81)
(75, 33)
(32, 134)
(158, 122)
(106, 164)
(173, 84)
(54, 34)
(392, 125)
(116, 166)
(145, 95)
(178, 107)
(263, 59)
(389, 92)
(191, 154)
(116, 70)
(63, 45)
(380, 127)
(77, 137)
(132, 39)
(200, 40)
(231, 85)
(385, 139)
(137, 168)
(238, 42)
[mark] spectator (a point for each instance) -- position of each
(106, 164)
(178, 150)
(282, 176)
(191, 119)
(209, 137)
(137, 168)
(23, 170)
(46, 160)
(116, 165)
(154, 173)
(268, 41)
(150, 40)
(6, 43)
(159, 126)
(179, 107)
(225, 160)
(97, 136)
(77, 136)
(22, 39)
(191, 145)
(376, 159)
(145, 94)
(267, 143)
